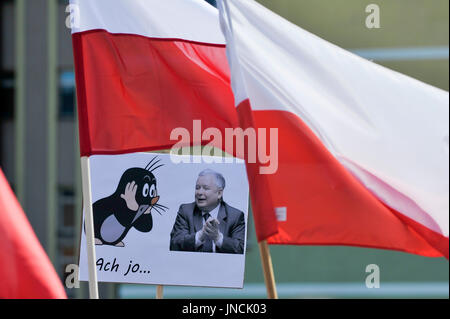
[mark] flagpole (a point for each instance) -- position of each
(159, 291)
(266, 262)
(90, 245)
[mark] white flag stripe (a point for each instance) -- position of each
(389, 130)
(193, 20)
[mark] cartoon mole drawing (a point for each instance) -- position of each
(130, 206)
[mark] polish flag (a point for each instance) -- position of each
(355, 165)
(363, 150)
(25, 270)
(146, 67)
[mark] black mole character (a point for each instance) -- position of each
(129, 206)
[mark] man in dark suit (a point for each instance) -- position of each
(209, 224)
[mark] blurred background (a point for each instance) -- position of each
(39, 151)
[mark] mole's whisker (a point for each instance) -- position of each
(161, 206)
(156, 167)
(150, 168)
(150, 162)
(161, 209)
(157, 210)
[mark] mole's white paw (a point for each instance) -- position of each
(120, 244)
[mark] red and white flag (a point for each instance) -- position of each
(363, 150)
(362, 153)
(146, 67)
(25, 270)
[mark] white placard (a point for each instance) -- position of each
(143, 256)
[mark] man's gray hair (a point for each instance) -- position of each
(220, 181)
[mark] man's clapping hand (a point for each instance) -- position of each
(211, 229)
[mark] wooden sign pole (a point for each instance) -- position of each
(266, 262)
(159, 292)
(89, 222)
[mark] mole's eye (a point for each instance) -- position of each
(153, 191)
(145, 190)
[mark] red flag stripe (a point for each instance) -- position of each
(132, 90)
(308, 173)
(260, 192)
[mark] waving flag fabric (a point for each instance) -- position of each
(363, 150)
(25, 270)
(146, 67)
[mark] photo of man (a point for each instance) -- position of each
(209, 224)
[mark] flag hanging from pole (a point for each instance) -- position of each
(363, 150)
(25, 270)
(146, 67)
